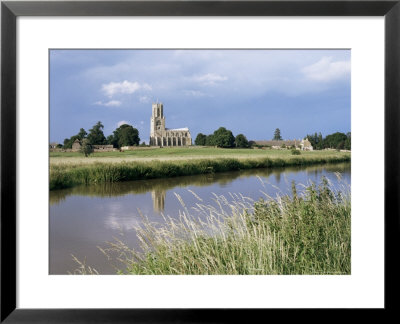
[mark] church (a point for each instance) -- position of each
(161, 136)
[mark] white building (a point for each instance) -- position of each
(161, 136)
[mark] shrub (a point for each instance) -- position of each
(86, 148)
(295, 152)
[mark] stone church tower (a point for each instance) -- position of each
(161, 136)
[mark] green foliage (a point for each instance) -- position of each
(210, 140)
(128, 136)
(295, 152)
(82, 134)
(316, 141)
(241, 141)
(277, 135)
(223, 137)
(96, 135)
(75, 174)
(69, 141)
(200, 139)
(336, 140)
(86, 147)
(110, 139)
(305, 233)
(125, 135)
(347, 142)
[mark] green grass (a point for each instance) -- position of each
(177, 152)
(308, 233)
(64, 175)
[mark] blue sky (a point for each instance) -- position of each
(247, 91)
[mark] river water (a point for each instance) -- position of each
(85, 217)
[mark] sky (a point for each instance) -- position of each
(252, 92)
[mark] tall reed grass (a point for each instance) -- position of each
(307, 233)
(69, 175)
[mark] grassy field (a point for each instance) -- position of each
(306, 233)
(178, 154)
(70, 169)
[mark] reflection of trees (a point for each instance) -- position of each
(159, 187)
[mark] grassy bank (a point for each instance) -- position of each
(302, 234)
(178, 153)
(72, 174)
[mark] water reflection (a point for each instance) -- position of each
(158, 197)
(84, 217)
(159, 187)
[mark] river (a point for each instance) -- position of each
(85, 217)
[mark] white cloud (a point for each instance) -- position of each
(144, 99)
(111, 103)
(124, 87)
(122, 122)
(194, 93)
(325, 70)
(209, 78)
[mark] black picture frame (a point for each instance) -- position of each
(10, 10)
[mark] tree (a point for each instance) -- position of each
(210, 140)
(277, 135)
(241, 141)
(128, 136)
(347, 143)
(86, 147)
(82, 134)
(69, 141)
(124, 135)
(335, 140)
(223, 137)
(96, 135)
(316, 141)
(110, 139)
(200, 139)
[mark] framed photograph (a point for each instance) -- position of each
(192, 161)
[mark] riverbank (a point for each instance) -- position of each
(180, 153)
(307, 233)
(71, 174)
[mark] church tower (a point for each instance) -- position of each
(157, 121)
(166, 137)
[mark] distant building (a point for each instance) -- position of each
(161, 136)
(278, 144)
(53, 145)
(76, 145)
(103, 147)
(306, 145)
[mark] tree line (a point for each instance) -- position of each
(339, 141)
(124, 135)
(222, 137)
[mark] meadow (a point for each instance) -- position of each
(178, 153)
(68, 169)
